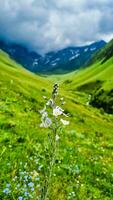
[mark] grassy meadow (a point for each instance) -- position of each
(84, 162)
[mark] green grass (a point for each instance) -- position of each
(83, 167)
(98, 71)
(96, 80)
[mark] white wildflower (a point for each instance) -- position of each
(61, 98)
(42, 111)
(57, 137)
(46, 123)
(63, 102)
(57, 111)
(44, 115)
(44, 97)
(64, 122)
(49, 102)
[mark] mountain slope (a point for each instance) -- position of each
(104, 54)
(61, 61)
(96, 79)
(11, 71)
(70, 59)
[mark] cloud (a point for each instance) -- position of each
(46, 25)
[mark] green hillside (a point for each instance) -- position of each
(104, 54)
(90, 78)
(96, 80)
(83, 167)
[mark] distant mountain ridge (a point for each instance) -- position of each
(61, 61)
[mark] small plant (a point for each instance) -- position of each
(52, 117)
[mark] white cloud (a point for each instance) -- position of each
(47, 25)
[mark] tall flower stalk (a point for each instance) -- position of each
(52, 117)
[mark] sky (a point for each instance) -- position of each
(50, 25)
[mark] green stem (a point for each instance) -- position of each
(3, 152)
(51, 167)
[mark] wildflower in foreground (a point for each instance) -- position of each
(26, 193)
(57, 137)
(57, 111)
(8, 185)
(64, 122)
(20, 198)
(51, 118)
(44, 97)
(62, 99)
(49, 102)
(37, 178)
(6, 191)
(46, 123)
(30, 184)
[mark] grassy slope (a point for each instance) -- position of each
(84, 160)
(98, 71)
(96, 80)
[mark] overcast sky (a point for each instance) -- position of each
(47, 25)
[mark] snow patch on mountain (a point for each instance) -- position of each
(35, 62)
(85, 50)
(47, 61)
(57, 59)
(93, 49)
(54, 64)
(75, 56)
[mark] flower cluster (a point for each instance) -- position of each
(27, 183)
(56, 110)
(52, 117)
(46, 121)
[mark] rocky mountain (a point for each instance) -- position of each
(61, 61)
